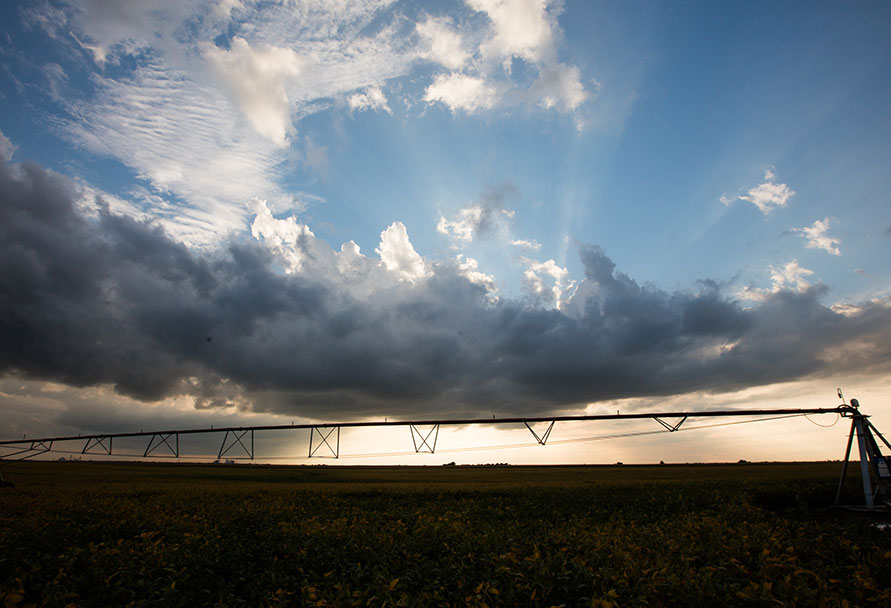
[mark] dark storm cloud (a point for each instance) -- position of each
(109, 300)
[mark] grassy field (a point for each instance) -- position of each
(104, 534)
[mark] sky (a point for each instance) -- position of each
(234, 212)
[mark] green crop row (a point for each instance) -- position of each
(105, 535)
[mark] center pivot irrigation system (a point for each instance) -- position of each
(324, 439)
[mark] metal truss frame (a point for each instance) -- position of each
(671, 428)
(237, 437)
(163, 439)
(543, 438)
(422, 441)
(323, 440)
(97, 445)
(38, 447)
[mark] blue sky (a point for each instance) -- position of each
(436, 206)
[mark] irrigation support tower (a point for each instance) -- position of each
(871, 459)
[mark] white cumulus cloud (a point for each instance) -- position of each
(818, 239)
(444, 45)
(350, 262)
(7, 148)
(526, 244)
(522, 28)
(372, 98)
(399, 256)
(791, 276)
(258, 80)
(469, 269)
(285, 237)
(547, 281)
(558, 86)
(769, 194)
(461, 92)
(461, 228)
(528, 30)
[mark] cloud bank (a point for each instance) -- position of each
(109, 300)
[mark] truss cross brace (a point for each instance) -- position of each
(159, 439)
(36, 448)
(876, 431)
(422, 441)
(669, 427)
(544, 437)
(238, 438)
(325, 434)
(98, 444)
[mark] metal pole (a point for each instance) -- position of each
(461, 421)
(875, 455)
(844, 471)
(223, 446)
(876, 431)
(864, 463)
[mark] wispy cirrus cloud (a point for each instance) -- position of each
(182, 139)
(203, 99)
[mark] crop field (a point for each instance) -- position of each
(123, 534)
